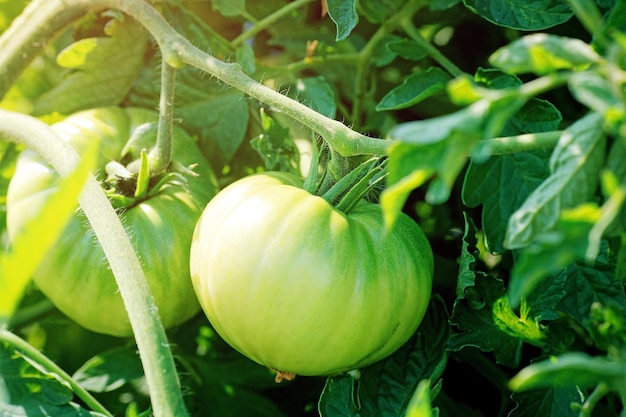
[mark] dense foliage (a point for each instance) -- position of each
(501, 127)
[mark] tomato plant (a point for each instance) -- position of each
(160, 221)
(269, 265)
(498, 134)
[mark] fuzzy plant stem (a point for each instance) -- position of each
(149, 333)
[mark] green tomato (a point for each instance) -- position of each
(74, 274)
(296, 285)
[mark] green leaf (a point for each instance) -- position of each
(220, 121)
(229, 387)
(521, 14)
(475, 310)
(596, 92)
(377, 11)
(30, 246)
(386, 387)
(26, 391)
(276, 146)
(245, 58)
(433, 146)
(503, 182)
(345, 16)
(104, 70)
(574, 167)
(316, 93)
(552, 401)
(407, 49)
(415, 88)
(571, 368)
(586, 285)
(543, 53)
(230, 8)
(552, 250)
(110, 370)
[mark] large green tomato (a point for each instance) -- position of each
(298, 286)
(75, 275)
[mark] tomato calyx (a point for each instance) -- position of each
(132, 180)
(353, 184)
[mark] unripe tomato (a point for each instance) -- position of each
(296, 285)
(74, 274)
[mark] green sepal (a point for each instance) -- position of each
(350, 189)
(143, 176)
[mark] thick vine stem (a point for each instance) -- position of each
(177, 51)
(149, 333)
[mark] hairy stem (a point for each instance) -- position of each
(26, 349)
(162, 153)
(150, 336)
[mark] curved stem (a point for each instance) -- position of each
(150, 336)
(267, 21)
(26, 349)
(178, 51)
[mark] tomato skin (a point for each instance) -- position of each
(298, 286)
(75, 275)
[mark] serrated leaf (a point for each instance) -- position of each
(552, 401)
(589, 284)
(26, 392)
(473, 313)
(503, 182)
(543, 53)
(552, 250)
(574, 167)
(521, 14)
(104, 70)
(415, 88)
(30, 246)
(230, 8)
(386, 387)
(345, 16)
(110, 370)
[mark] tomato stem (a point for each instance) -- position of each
(161, 154)
(148, 330)
(25, 349)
